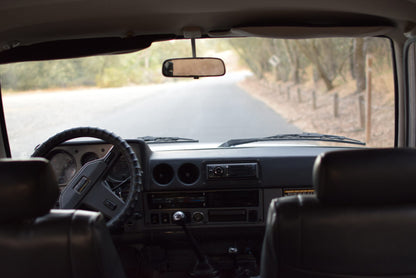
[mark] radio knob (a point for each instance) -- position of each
(198, 217)
(218, 171)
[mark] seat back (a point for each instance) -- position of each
(36, 241)
(360, 223)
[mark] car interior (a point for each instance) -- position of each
(125, 204)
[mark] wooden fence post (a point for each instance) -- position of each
(299, 96)
(288, 92)
(368, 93)
(314, 100)
(336, 105)
(361, 108)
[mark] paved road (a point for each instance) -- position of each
(211, 110)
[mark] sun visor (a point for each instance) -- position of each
(303, 32)
(64, 49)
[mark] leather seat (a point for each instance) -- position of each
(360, 223)
(36, 241)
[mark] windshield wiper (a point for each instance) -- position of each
(290, 137)
(153, 139)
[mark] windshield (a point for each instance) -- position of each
(337, 86)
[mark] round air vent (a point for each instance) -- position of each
(163, 173)
(188, 173)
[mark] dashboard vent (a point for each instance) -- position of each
(163, 173)
(188, 173)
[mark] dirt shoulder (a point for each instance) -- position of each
(312, 109)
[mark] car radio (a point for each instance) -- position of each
(232, 171)
(205, 207)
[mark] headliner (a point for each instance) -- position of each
(39, 27)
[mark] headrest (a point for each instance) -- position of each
(28, 189)
(368, 176)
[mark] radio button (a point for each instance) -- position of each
(198, 217)
(165, 218)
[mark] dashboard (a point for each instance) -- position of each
(224, 193)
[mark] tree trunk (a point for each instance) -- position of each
(359, 64)
(311, 52)
(294, 62)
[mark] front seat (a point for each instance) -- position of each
(36, 241)
(360, 223)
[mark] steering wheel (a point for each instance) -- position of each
(88, 187)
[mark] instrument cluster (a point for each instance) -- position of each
(67, 159)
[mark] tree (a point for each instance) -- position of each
(311, 51)
(294, 59)
(255, 53)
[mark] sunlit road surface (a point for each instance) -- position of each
(210, 110)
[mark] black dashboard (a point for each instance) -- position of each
(224, 193)
(214, 187)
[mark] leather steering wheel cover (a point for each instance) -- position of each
(122, 146)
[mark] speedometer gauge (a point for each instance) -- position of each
(64, 166)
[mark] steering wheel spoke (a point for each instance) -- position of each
(80, 185)
(103, 199)
(110, 158)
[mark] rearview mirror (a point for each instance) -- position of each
(193, 67)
